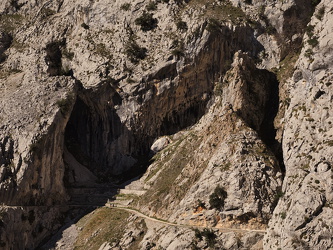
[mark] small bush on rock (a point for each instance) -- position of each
(134, 52)
(181, 25)
(125, 6)
(146, 21)
(151, 6)
(216, 199)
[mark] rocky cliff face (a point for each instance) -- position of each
(241, 89)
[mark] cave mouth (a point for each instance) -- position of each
(267, 130)
(77, 154)
(98, 148)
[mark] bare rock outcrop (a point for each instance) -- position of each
(221, 151)
(301, 220)
(88, 86)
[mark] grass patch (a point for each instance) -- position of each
(102, 225)
(283, 215)
(286, 69)
(173, 182)
(224, 12)
(10, 23)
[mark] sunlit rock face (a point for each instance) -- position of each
(240, 90)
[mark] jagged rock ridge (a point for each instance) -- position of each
(88, 86)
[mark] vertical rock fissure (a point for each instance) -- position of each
(267, 130)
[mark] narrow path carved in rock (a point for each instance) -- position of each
(138, 213)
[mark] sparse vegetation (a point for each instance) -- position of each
(146, 21)
(151, 6)
(16, 5)
(216, 199)
(85, 26)
(134, 52)
(181, 25)
(283, 215)
(9, 23)
(208, 235)
(168, 186)
(320, 14)
(279, 194)
(313, 41)
(125, 6)
(308, 53)
(222, 12)
(179, 48)
(309, 30)
(286, 68)
(261, 12)
(46, 12)
(103, 225)
(226, 166)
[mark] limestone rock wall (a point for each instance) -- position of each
(301, 218)
(104, 79)
(221, 150)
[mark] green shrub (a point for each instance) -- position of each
(125, 6)
(309, 30)
(283, 215)
(261, 12)
(197, 234)
(201, 204)
(85, 26)
(151, 6)
(209, 236)
(216, 199)
(320, 13)
(134, 52)
(16, 5)
(313, 42)
(178, 50)
(181, 25)
(270, 30)
(146, 21)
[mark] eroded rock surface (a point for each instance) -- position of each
(241, 90)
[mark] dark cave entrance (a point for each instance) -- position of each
(88, 134)
(267, 130)
(100, 148)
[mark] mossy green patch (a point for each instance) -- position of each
(102, 225)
